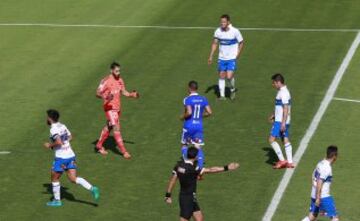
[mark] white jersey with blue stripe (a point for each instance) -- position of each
(322, 171)
(228, 42)
(283, 97)
(59, 130)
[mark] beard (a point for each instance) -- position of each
(48, 122)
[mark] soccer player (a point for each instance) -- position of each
(321, 200)
(196, 107)
(187, 172)
(281, 123)
(230, 43)
(60, 138)
(110, 90)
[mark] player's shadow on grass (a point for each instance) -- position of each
(66, 195)
(272, 158)
(110, 144)
(215, 89)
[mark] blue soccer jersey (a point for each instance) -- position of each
(193, 125)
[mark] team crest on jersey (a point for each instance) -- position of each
(181, 170)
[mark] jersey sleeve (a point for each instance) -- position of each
(186, 101)
(122, 87)
(238, 36)
(174, 171)
(216, 34)
(324, 173)
(102, 86)
(206, 102)
(68, 131)
(285, 98)
(54, 134)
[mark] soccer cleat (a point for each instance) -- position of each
(233, 94)
(102, 151)
(54, 203)
(290, 165)
(95, 193)
(127, 155)
(280, 164)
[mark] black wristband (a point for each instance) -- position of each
(167, 195)
(226, 168)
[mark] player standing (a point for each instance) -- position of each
(230, 43)
(187, 172)
(281, 123)
(196, 107)
(64, 158)
(321, 200)
(110, 90)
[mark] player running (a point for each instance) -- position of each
(110, 90)
(196, 107)
(187, 172)
(281, 123)
(321, 200)
(231, 44)
(64, 159)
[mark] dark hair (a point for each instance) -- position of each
(114, 65)
(193, 85)
(331, 151)
(226, 16)
(53, 114)
(192, 152)
(278, 77)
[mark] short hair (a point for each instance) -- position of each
(114, 65)
(331, 151)
(193, 85)
(53, 114)
(278, 77)
(192, 152)
(226, 16)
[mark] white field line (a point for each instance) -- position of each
(311, 129)
(345, 99)
(4, 152)
(174, 27)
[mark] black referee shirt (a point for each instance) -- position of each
(187, 173)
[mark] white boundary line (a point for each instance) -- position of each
(54, 25)
(345, 99)
(311, 129)
(4, 152)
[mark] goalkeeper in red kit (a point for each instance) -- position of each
(110, 90)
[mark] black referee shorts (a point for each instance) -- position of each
(188, 205)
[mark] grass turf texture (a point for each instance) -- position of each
(61, 68)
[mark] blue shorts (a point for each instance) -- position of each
(60, 165)
(226, 65)
(192, 135)
(327, 205)
(276, 130)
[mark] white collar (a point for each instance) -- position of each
(193, 94)
(189, 161)
(283, 87)
(55, 124)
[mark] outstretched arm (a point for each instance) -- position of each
(169, 189)
(217, 169)
(133, 94)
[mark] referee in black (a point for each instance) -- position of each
(187, 172)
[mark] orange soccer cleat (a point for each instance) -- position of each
(280, 164)
(290, 165)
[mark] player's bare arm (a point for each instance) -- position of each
(271, 118)
(187, 113)
(319, 185)
(214, 46)
(170, 187)
(133, 94)
(285, 116)
(217, 169)
(208, 111)
(241, 47)
(56, 143)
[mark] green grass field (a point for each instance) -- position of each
(60, 67)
